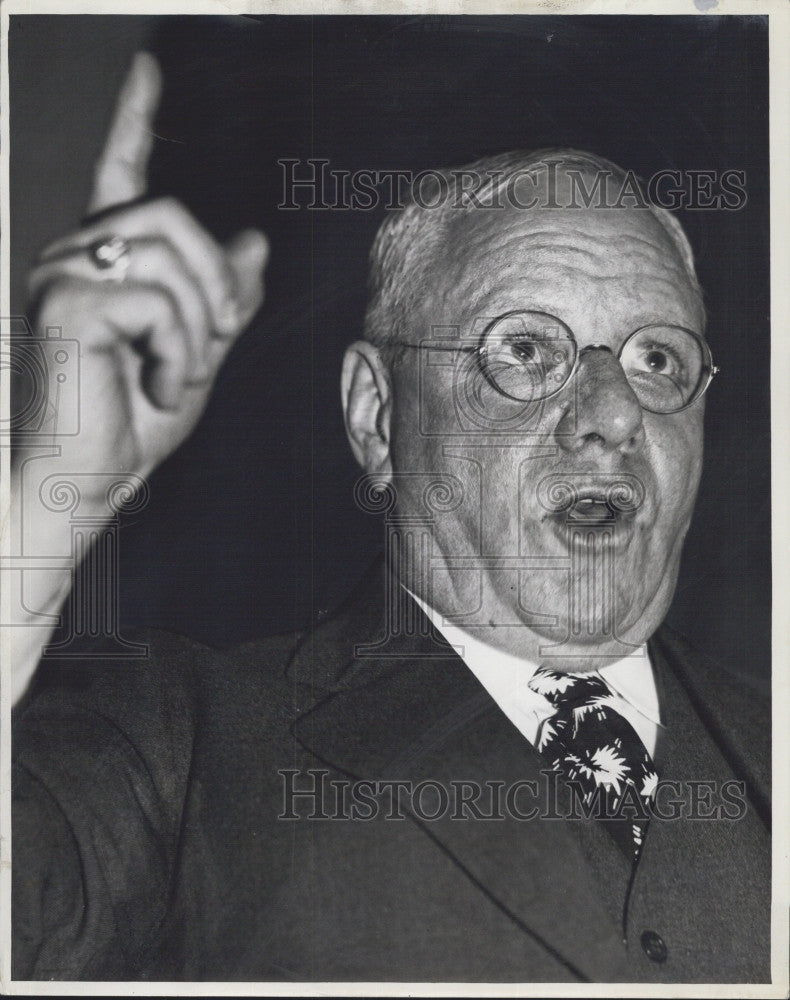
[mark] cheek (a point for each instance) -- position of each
(428, 439)
(677, 463)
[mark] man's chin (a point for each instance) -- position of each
(589, 642)
(576, 657)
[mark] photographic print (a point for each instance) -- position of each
(388, 457)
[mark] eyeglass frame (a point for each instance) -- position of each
(707, 373)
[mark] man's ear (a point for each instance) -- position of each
(366, 392)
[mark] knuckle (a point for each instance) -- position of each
(59, 300)
(208, 268)
(166, 306)
(36, 278)
(216, 271)
(170, 319)
(156, 258)
(194, 245)
(55, 289)
(173, 209)
(166, 272)
(225, 280)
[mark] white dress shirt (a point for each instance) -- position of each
(506, 678)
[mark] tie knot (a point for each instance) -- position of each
(567, 689)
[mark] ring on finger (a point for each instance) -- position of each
(111, 256)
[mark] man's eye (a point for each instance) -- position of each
(661, 361)
(657, 361)
(525, 351)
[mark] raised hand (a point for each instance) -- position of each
(155, 304)
(152, 342)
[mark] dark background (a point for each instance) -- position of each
(251, 527)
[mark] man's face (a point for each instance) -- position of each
(588, 581)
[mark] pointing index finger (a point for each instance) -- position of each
(120, 174)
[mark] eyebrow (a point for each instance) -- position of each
(646, 320)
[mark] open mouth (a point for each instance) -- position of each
(593, 522)
(591, 500)
(592, 508)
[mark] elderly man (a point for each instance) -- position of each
(493, 764)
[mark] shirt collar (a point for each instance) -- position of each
(503, 674)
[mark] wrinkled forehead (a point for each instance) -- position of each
(623, 254)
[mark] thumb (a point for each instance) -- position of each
(247, 254)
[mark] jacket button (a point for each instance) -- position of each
(653, 946)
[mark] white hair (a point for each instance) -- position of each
(410, 237)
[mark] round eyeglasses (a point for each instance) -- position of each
(530, 356)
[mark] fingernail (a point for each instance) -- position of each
(262, 248)
(253, 247)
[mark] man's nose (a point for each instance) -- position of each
(604, 411)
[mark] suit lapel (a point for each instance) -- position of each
(418, 714)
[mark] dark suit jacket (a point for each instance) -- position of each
(147, 843)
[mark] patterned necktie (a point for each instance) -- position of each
(590, 743)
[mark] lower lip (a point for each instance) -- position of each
(594, 535)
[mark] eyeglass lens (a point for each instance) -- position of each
(529, 356)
